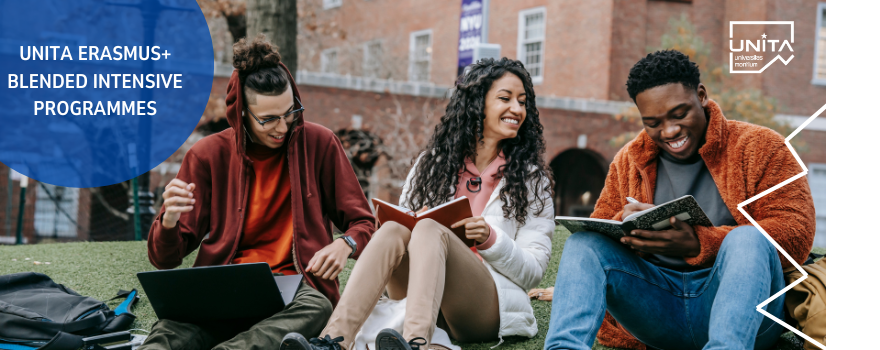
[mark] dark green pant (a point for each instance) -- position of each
(307, 315)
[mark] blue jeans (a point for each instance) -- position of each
(712, 308)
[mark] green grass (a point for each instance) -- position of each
(100, 269)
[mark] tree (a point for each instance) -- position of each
(363, 149)
(405, 132)
(358, 53)
(276, 19)
(231, 10)
(749, 105)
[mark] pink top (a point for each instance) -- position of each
(479, 199)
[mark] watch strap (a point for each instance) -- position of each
(351, 243)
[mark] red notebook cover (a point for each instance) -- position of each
(445, 214)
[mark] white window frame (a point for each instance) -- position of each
(821, 210)
(521, 41)
(48, 218)
(811, 169)
(375, 66)
(325, 61)
(814, 79)
(329, 4)
(412, 53)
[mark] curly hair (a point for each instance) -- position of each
(661, 68)
(461, 128)
(259, 67)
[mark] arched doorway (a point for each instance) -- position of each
(580, 176)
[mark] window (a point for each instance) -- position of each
(373, 59)
(329, 62)
(530, 44)
(816, 178)
(56, 211)
(819, 59)
(420, 55)
(329, 4)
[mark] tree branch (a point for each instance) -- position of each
(97, 192)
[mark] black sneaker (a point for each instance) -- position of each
(389, 339)
(295, 341)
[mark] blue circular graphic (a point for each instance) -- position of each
(96, 92)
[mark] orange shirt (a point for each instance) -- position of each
(268, 229)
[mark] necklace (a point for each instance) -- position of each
(478, 181)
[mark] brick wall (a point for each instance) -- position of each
(590, 44)
(791, 84)
(354, 23)
(578, 43)
(334, 108)
(12, 219)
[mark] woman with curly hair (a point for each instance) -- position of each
(488, 147)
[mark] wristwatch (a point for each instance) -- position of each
(350, 241)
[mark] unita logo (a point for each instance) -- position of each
(751, 52)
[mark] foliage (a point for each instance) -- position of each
(681, 36)
(745, 104)
(405, 130)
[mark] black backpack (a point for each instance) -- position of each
(36, 312)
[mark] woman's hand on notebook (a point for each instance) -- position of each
(475, 228)
(679, 240)
(424, 209)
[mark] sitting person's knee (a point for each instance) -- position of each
(437, 230)
(325, 309)
(427, 224)
(314, 301)
(748, 238)
(391, 230)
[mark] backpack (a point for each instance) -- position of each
(36, 312)
(805, 303)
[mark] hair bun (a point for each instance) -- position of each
(253, 55)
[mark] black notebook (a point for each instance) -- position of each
(655, 219)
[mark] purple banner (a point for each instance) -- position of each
(470, 31)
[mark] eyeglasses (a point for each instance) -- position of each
(272, 122)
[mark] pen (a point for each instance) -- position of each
(632, 200)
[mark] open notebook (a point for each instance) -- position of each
(655, 219)
(445, 214)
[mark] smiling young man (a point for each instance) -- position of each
(685, 287)
(263, 191)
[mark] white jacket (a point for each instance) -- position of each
(518, 258)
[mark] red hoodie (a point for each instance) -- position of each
(324, 188)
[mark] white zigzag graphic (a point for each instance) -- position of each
(794, 263)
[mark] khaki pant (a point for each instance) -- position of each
(308, 311)
(434, 270)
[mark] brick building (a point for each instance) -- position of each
(579, 53)
(386, 66)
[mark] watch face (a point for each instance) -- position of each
(350, 243)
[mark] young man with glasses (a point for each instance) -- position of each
(264, 190)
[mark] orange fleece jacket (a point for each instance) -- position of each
(744, 160)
